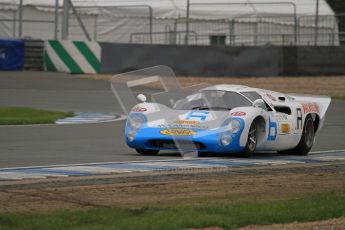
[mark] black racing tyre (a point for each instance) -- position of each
(147, 152)
(252, 140)
(307, 139)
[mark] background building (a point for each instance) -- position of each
(195, 22)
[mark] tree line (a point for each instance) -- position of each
(337, 5)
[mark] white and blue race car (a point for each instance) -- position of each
(228, 119)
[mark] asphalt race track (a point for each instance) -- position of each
(90, 143)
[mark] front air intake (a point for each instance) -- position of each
(170, 144)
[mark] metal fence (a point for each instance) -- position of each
(252, 31)
(113, 24)
(166, 37)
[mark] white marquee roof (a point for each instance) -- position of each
(177, 8)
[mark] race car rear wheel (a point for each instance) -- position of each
(307, 139)
(252, 140)
(147, 152)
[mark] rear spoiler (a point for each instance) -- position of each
(322, 101)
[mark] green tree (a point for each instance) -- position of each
(337, 5)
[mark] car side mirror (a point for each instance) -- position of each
(259, 103)
(141, 97)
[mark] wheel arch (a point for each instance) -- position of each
(260, 126)
(261, 129)
(316, 121)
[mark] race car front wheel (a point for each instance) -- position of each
(147, 152)
(252, 140)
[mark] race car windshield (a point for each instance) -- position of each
(212, 100)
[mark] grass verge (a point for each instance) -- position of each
(181, 216)
(25, 116)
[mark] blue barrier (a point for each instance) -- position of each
(11, 54)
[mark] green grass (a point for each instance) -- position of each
(181, 215)
(25, 116)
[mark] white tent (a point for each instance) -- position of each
(243, 22)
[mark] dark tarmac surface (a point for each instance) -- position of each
(88, 143)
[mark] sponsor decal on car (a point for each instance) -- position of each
(139, 109)
(238, 114)
(186, 122)
(180, 126)
(310, 107)
(285, 128)
(199, 115)
(178, 132)
(271, 97)
(272, 130)
(280, 117)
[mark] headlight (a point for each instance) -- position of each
(225, 139)
(235, 126)
(136, 121)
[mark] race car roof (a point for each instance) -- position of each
(229, 87)
(267, 95)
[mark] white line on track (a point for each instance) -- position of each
(146, 161)
(327, 151)
(119, 118)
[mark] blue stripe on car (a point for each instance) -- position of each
(271, 136)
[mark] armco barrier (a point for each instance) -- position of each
(324, 60)
(85, 57)
(225, 60)
(11, 54)
(193, 60)
(76, 57)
